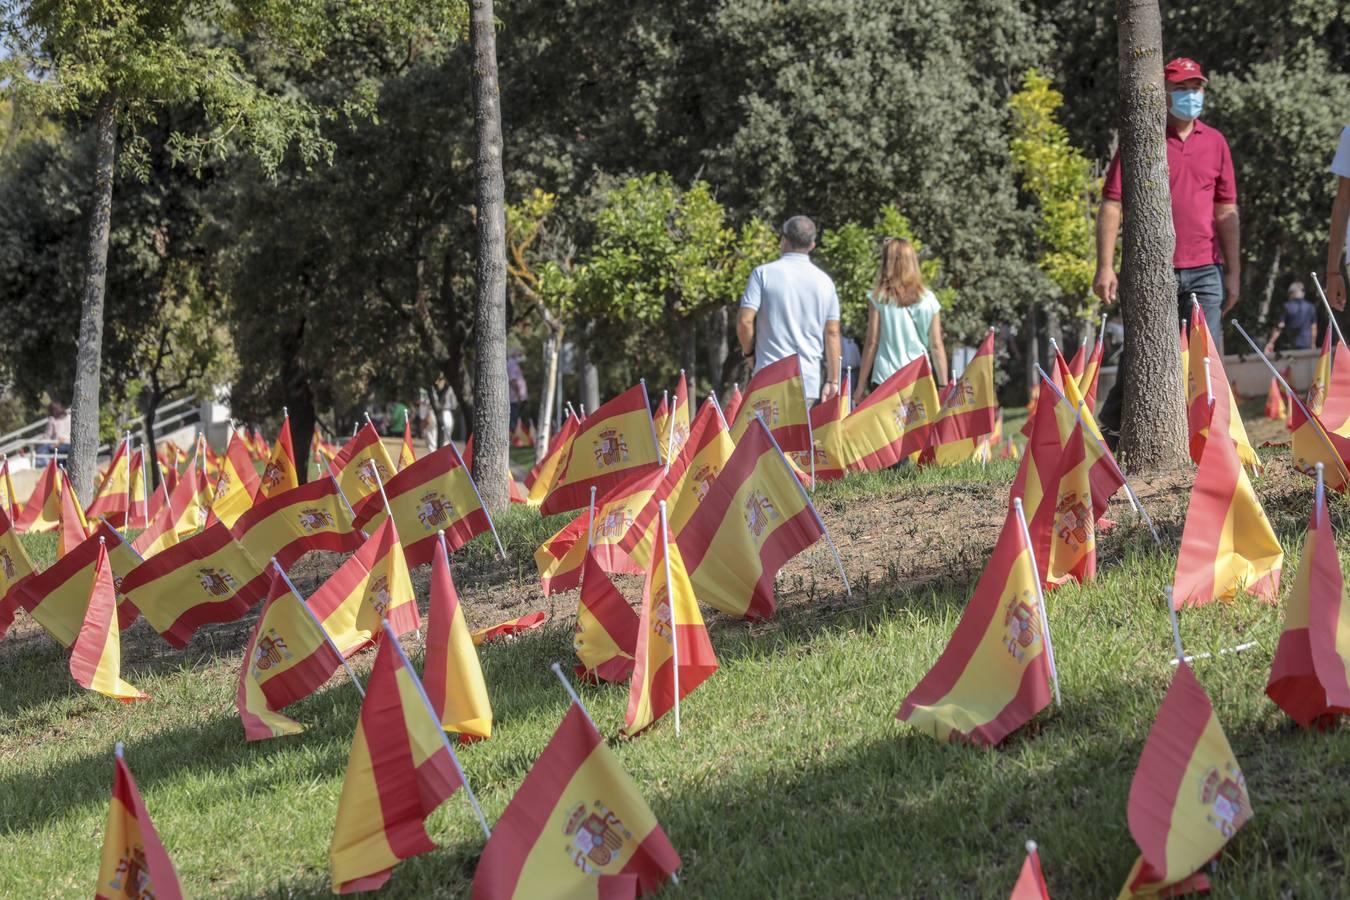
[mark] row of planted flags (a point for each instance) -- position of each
(708, 512)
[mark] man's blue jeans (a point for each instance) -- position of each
(1206, 283)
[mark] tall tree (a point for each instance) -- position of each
(491, 451)
(1153, 426)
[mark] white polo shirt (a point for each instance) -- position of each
(794, 299)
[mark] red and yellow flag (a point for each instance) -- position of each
(57, 597)
(372, 585)
(673, 654)
(1329, 393)
(1188, 796)
(1198, 392)
(827, 437)
(969, 404)
(684, 484)
(112, 498)
(559, 558)
(205, 579)
(8, 503)
(288, 658)
(1088, 478)
(1310, 674)
(1030, 881)
(42, 512)
(406, 454)
(1227, 543)
(279, 475)
(672, 429)
(400, 769)
(540, 479)
(15, 567)
(236, 483)
(96, 655)
(993, 676)
(1037, 480)
(434, 494)
(509, 628)
(1275, 401)
(74, 527)
(614, 444)
(777, 395)
(732, 408)
(894, 421)
(362, 465)
(1087, 385)
(450, 669)
(134, 864)
(607, 628)
(753, 518)
(1314, 443)
(577, 827)
(288, 525)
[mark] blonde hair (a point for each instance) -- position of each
(899, 279)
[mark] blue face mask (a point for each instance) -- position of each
(1187, 104)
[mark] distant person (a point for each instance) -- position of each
(1298, 318)
(850, 356)
(904, 320)
(394, 417)
(1338, 245)
(1204, 217)
(56, 434)
(790, 306)
(518, 392)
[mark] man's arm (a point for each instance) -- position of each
(1275, 336)
(1108, 228)
(745, 330)
(831, 386)
(1340, 214)
(1226, 222)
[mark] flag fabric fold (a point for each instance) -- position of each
(614, 444)
(371, 585)
(450, 670)
(42, 512)
(134, 864)
(58, 596)
(279, 474)
(776, 394)
(606, 629)
(362, 465)
(96, 654)
(894, 421)
(15, 568)
(289, 524)
(236, 483)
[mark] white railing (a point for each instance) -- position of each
(28, 441)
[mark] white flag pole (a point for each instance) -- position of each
(1176, 629)
(290, 585)
(670, 601)
(590, 520)
(1040, 596)
(571, 692)
(431, 712)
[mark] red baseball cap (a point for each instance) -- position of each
(1183, 69)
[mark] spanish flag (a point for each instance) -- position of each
(1030, 881)
(15, 567)
(777, 395)
(1188, 796)
(614, 444)
(1314, 443)
(509, 628)
(753, 518)
(733, 405)
(400, 769)
(894, 421)
(577, 827)
(280, 475)
(57, 597)
(42, 512)
(607, 628)
(993, 677)
(1329, 394)
(450, 669)
(1088, 479)
(559, 558)
(8, 504)
(1227, 543)
(372, 585)
(1310, 675)
(684, 484)
(827, 436)
(74, 527)
(1199, 413)
(112, 499)
(673, 654)
(159, 534)
(1038, 476)
(1079, 364)
(192, 503)
(205, 579)
(406, 454)
(522, 436)
(96, 654)
(1275, 401)
(134, 864)
(288, 658)
(138, 504)
(672, 430)
(435, 494)
(288, 525)
(969, 404)
(362, 465)
(236, 484)
(1073, 394)
(540, 479)
(1087, 385)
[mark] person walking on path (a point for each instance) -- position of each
(791, 306)
(1204, 216)
(518, 391)
(904, 320)
(1298, 318)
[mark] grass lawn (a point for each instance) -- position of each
(792, 776)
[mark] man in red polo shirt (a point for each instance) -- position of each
(1204, 216)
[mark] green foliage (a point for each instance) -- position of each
(851, 254)
(1059, 178)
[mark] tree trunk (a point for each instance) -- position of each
(689, 356)
(716, 347)
(151, 398)
(547, 395)
(89, 350)
(299, 394)
(590, 373)
(1268, 289)
(1153, 424)
(491, 448)
(1033, 351)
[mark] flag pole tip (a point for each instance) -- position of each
(1320, 466)
(1031, 846)
(556, 669)
(117, 749)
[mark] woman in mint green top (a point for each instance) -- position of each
(904, 320)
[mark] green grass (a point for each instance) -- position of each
(791, 777)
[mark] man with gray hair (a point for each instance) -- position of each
(796, 308)
(1297, 320)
